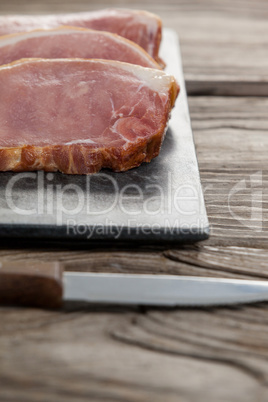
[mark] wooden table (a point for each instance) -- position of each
(125, 354)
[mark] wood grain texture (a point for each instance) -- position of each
(195, 260)
(112, 353)
(121, 355)
(231, 141)
(224, 44)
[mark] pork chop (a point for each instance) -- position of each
(140, 27)
(80, 115)
(70, 42)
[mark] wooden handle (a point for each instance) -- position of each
(31, 283)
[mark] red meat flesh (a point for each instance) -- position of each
(68, 42)
(140, 27)
(78, 116)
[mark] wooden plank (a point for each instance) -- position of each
(231, 141)
(223, 43)
(223, 52)
(199, 260)
(114, 354)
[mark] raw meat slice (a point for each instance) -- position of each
(80, 115)
(68, 42)
(140, 27)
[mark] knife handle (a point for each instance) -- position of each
(31, 283)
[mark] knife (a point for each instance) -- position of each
(43, 284)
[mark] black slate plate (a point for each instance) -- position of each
(158, 202)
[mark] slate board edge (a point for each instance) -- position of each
(32, 232)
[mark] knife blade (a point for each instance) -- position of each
(161, 290)
(45, 285)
